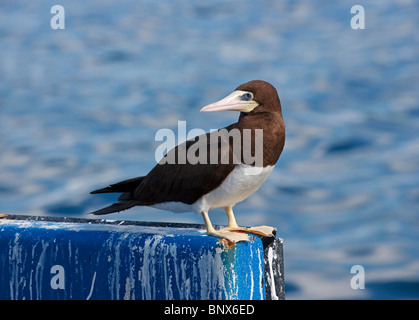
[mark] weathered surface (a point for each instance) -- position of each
(78, 259)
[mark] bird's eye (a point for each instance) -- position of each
(247, 96)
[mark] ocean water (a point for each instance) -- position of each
(80, 107)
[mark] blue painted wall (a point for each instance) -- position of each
(66, 260)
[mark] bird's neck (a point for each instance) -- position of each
(257, 119)
(273, 130)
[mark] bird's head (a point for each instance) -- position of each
(251, 97)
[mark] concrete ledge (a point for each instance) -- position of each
(61, 258)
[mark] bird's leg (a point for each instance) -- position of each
(231, 219)
(224, 233)
(208, 224)
(264, 231)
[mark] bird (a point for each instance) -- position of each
(222, 167)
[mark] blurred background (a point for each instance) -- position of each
(80, 107)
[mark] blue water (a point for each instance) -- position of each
(79, 109)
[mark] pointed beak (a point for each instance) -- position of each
(232, 102)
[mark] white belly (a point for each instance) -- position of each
(243, 181)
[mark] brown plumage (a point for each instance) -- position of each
(187, 183)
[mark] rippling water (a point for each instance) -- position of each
(79, 109)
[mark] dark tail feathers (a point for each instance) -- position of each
(126, 187)
(123, 186)
(116, 207)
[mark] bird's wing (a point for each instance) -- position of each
(178, 178)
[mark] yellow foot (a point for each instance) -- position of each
(264, 231)
(228, 235)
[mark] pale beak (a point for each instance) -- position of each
(232, 102)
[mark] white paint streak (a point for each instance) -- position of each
(271, 272)
(261, 274)
(39, 268)
(92, 286)
(127, 295)
(252, 285)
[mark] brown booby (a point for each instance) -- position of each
(220, 180)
